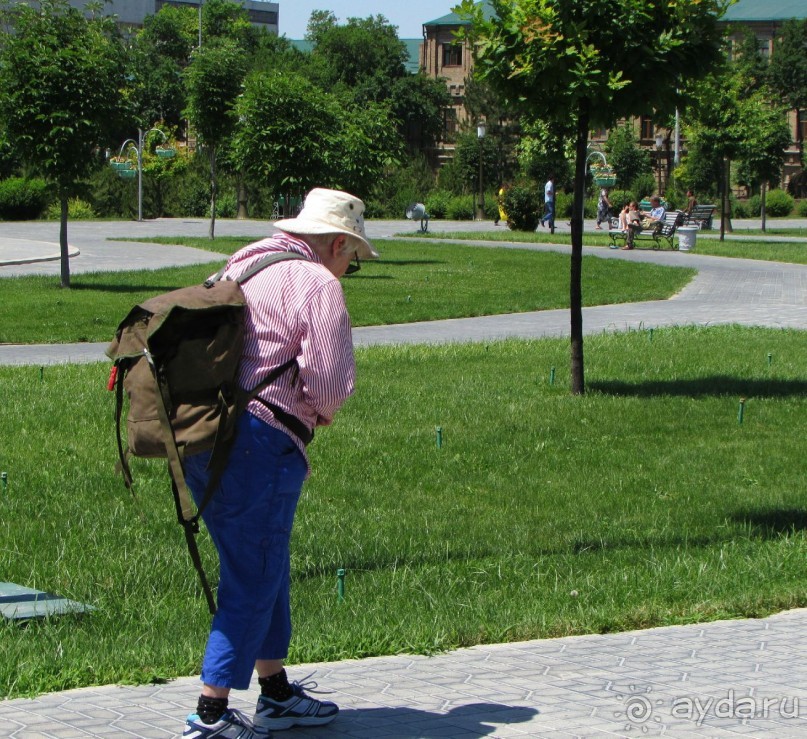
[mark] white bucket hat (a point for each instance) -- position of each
(331, 211)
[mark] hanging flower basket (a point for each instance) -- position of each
(120, 164)
(604, 177)
(165, 152)
(127, 174)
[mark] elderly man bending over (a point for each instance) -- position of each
(295, 310)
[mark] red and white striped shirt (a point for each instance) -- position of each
(296, 309)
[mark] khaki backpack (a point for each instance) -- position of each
(176, 357)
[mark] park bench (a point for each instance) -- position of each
(663, 231)
(701, 216)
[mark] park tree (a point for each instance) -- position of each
(418, 103)
(292, 136)
(159, 54)
(762, 120)
(788, 72)
(363, 55)
(61, 77)
(214, 78)
(734, 118)
(628, 159)
(593, 61)
(764, 138)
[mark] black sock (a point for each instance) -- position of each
(276, 686)
(210, 709)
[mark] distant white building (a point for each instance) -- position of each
(133, 12)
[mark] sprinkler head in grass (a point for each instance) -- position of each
(770, 359)
(41, 374)
(574, 594)
(740, 411)
(439, 432)
(408, 298)
(650, 335)
(552, 376)
(340, 584)
(4, 480)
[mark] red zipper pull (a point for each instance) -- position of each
(113, 376)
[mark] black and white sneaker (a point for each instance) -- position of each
(299, 710)
(232, 725)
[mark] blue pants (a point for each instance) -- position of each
(250, 519)
(549, 216)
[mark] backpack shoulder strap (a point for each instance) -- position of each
(280, 256)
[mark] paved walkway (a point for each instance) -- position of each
(724, 291)
(722, 679)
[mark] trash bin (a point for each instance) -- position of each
(687, 235)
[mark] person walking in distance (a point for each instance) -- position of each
(295, 310)
(548, 219)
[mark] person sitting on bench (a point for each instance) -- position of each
(633, 223)
(652, 217)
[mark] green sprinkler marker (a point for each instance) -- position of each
(552, 376)
(4, 481)
(740, 411)
(770, 359)
(41, 374)
(651, 335)
(340, 584)
(439, 431)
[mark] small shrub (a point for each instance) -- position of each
(461, 208)
(491, 206)
(437, 203)
(563, 205)
(740, 209)
(226, 204)
(22, 199)
(802, 209)
(523, 206)
(644, 186)
(77, 210)
(778, 203)
(754, 206)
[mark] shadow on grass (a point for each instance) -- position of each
(407, 262)
(107, 288)
(771, 524)
(717, 386)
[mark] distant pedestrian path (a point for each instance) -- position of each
(725, 290)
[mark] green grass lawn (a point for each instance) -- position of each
(642, 503)
(707, 243)
(413, 281)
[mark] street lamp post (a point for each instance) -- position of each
(659, 144)
(138, 148)
(481, 130)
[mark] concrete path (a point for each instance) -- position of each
(723, 679)
(725, 290)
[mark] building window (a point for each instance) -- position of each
(648, 131)
(452, 55)
(764, 47)
(449, 123)
(802, 124)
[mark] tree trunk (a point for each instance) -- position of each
(576, 264)
(763, 193)
(63, 247)
(242, 199)
(213, 191)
